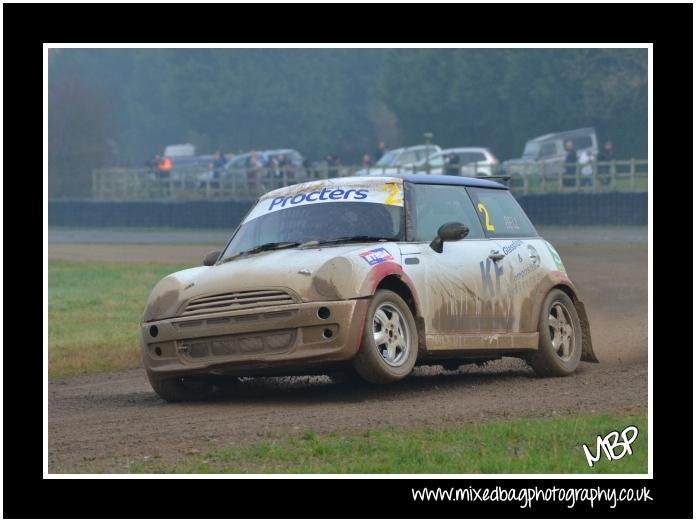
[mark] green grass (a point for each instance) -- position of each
(519, 446)
(93, 314)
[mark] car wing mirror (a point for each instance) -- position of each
(210, 259)
(448, 232)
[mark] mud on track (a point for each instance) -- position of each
(98, 423)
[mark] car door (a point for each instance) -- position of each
(523, 259)
(459, 289)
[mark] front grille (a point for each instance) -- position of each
(244, 300)
(239, 346)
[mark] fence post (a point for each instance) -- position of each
(525, 185)
(134, 184)
(577, 177)
(542, 184)
(560, 176)
(612, 175)
(594, 175)
(632, 184)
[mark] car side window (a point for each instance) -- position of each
(547, 150)
(582, 142)
(500, 214)
(431, 206)
(408, 157)
(437, 161)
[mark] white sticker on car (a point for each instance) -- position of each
(389, 193)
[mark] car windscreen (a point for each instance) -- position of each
(387, 159)
(531, 150)
(318, 222)
(500, 214)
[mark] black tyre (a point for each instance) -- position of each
(389, 346)
(560, 337)
(182, 389)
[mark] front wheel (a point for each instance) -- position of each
(560, 337)
(389, 346)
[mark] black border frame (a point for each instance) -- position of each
(26, 26)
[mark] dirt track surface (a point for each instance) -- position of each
(99, 423)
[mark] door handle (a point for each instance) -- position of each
(496, 256)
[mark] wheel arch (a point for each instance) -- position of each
(405, 290)
(588, 354)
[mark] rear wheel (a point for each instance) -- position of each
(181, 389)
(389, 347)
(560, 337)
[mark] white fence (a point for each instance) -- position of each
(119, 184)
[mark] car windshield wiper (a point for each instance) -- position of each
(345, 239)
(261, 248)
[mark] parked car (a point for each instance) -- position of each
(371, 275)
(181, 165)
(547, 153)
(399, 161)
(238, 167)
(462, 161)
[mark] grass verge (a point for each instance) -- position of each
(93, 314)
(519, 446)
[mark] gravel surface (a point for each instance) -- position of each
(98, 423)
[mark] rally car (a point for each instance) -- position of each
(369, 275)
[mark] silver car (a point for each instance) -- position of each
(400, 161)
(461, 161)
(546, 154)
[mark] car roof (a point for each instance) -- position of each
(463, 149)
(412, 147)
(556, 135)
(431, 179)
(419, 179)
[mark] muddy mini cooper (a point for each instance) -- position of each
(369, 277)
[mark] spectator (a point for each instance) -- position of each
(381, 150)
(571, 161)
(273, 172)
(164, 169)
(218, 167)
(253, 165)
(453, 168)
(333, 163)
(286, 168)
(585, 166)
(153, 164)
(254, 161)
(366, 161)
(605, 156)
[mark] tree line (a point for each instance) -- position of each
(121, 106)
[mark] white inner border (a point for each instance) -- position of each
(590, 476)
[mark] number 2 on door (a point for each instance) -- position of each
(487, 219)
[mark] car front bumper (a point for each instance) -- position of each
(261, 341)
